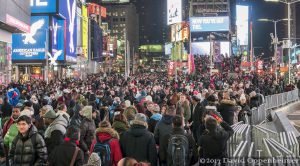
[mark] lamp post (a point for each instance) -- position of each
(275, 41)
(288, 3)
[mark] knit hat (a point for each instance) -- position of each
(104, 124)
(50, 114)
(73, 133)
(87, 112)
(94, 160)
(26, 112)
(140, 119)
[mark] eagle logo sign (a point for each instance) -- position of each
(54, 57)
(33, 30)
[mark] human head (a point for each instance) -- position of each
(62, 107)
(23, 124)
(210, 123)
(171, 111)
(178, 121)
(127, 161)
(182, 98)
(73, 133)
(16, 112)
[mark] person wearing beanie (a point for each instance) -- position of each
(67, 149)
(130, 112)
(138, 142)
(87, 130)
(227, 108)
(156, 116)
(245, 111)
(107, 134)
(29, 139)
(54, 134)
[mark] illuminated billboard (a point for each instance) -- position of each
(174, 12)
(179, 32)
(168, 48)
(58, 42)
(43, 6)
(31, 46)
(85, 31)
(203, 48)
(242, 24)
(209, 24)
(115, 1)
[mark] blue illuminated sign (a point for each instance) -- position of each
(58, 41)
(43, 6)
(31, 46)
(67, 9)
(209, 24)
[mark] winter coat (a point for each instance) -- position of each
(186, 110)
(163, 127)
(213, 145)
(165, 158)
(6, 110)
(7, 125)
(196, 118)
(104, 134)
(76, 119)
(87, 130)
(139, 144)
(254, 102)
(54, 134)
(246, 111)
(28, 150)
(66, 149)
(153, 121)
(120, 127)
(226, 109)
(10, 135)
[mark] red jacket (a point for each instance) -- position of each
(104, 134)
(7, 125)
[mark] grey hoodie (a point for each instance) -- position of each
(60, 123)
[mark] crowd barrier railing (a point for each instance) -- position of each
(272, 102)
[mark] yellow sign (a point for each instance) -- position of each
(85, 36)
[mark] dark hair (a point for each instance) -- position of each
(61, 106)
(128, 161)
(72, 132)
(211, 124)
(24, 118)
(28, 104)
(177, 121)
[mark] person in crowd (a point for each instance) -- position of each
(213, 142)
(6, 109)
(183, 108)
(156, 117)
(87, 130)
(245, 111)
(139, 137)
(62, 110)
(120, 123)
(227, 108)
(94, 160)
(129, 111)
(68, 149)
(28, 147)
(105, 135)
(188, 155)
(15, 114)
(196, 115)
(56, 130)
(127, 161)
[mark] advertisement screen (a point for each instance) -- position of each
(58, 43)
(31, 46)
(43, 6)
(242, 24)
(67, 9)
(168, 48)
(209, 24)
(85, 31)
(174, 11)
(203, 48)
(115, 1)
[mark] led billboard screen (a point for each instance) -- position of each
(203, 48)
(209, 24)
(242, 24)
(43, 6)
(174, 12)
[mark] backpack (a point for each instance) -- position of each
(178, 150)
(103, 151)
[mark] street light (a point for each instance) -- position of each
(275, 40)
(289, 28)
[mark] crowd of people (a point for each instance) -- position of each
(112, 120)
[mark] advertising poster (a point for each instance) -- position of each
(242, 25)
(31, 46)
(58, 42)
(171, 68)
(43, 6)
(85, 31)
(209, 24)
(67, 9)
(174, 12)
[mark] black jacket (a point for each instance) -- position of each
(66, 150)
(226, 109)
(196, 117)
(87, 132)
(164, 147)
(213, 145)
(139, 144)
(255, 102)
(163, 128)
(28, 150)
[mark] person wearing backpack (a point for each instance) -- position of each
(178, 148)
(72, 154)
(28, 147)
(106, 145)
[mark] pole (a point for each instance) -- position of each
(289, 38)
(275, 50)
(89, 45)
(128, 58)
(133, 60)
(251, 50)
(46, 56)
(125, 52)
(211, 52)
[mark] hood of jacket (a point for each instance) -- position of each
(167, 119)
(120, 125)
(228, 102)
(138, 130)
(106, 133)
(60, 123)
(156, 117)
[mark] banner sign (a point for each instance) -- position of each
(209, 24)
